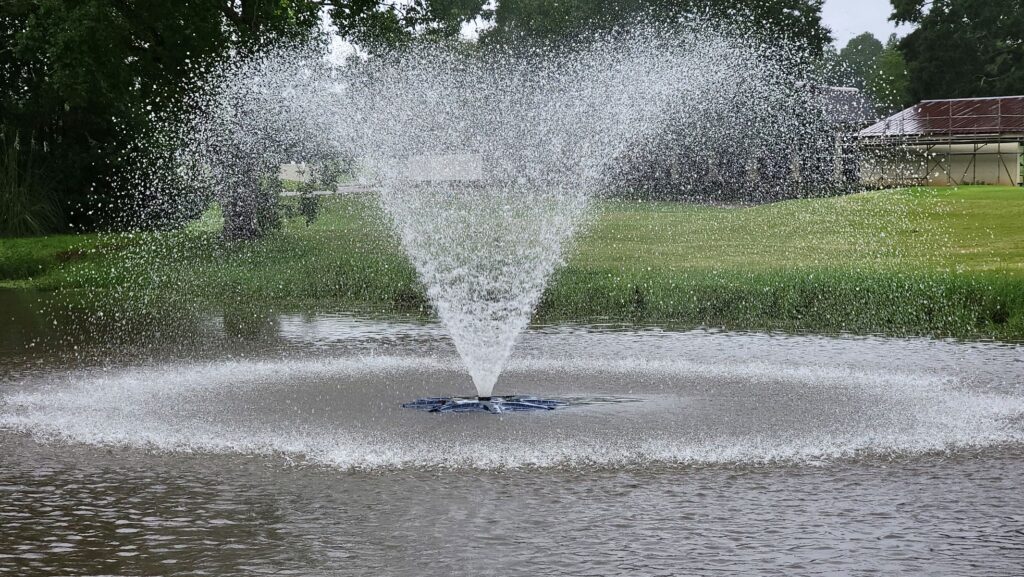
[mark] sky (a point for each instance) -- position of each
(849, 18)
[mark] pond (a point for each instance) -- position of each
(277, 445)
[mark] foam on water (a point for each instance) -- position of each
(343, 412)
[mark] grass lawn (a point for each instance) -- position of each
(968, 229)
(944, 262)
(23, 259)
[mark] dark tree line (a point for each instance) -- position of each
(80, 80)
(963, 48)
(878, 70)
(957, 49)
(795, 20)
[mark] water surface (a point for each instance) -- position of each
(281, 449)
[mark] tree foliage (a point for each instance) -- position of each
(859, 58)
(794, 20)
(78, 80)
(81, 79)
(878, 70)
(888, 82)
(963, 48)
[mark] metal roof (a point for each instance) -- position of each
(960, 118)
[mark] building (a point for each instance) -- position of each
(765, 148)
(830, 162)
(947, 142)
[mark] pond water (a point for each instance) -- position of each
(276, 445)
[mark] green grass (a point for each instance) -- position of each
(946, 262)
(924, 261)
(24, 259)
(969, 229)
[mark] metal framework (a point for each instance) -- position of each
(935, 127)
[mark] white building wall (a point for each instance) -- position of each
(992, 163)
(896, 166)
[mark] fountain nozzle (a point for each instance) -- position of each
(494, 405)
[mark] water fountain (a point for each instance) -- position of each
(487, 161)
(286, 450)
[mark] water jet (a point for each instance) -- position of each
(488, 163)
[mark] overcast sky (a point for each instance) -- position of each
(849, 18)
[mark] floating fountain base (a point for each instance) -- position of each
(494, 405)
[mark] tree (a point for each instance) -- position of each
(77, 77)
(795, 20)
(81, 80)
(879, 71)
(887, 82)
(859, 58)
(963, 48)
(383, 25)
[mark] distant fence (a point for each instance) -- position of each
(340, 190)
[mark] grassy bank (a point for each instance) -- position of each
(924, 261)
(24, 259)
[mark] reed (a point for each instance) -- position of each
(28, 205)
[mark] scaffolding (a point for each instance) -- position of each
(948, 140)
